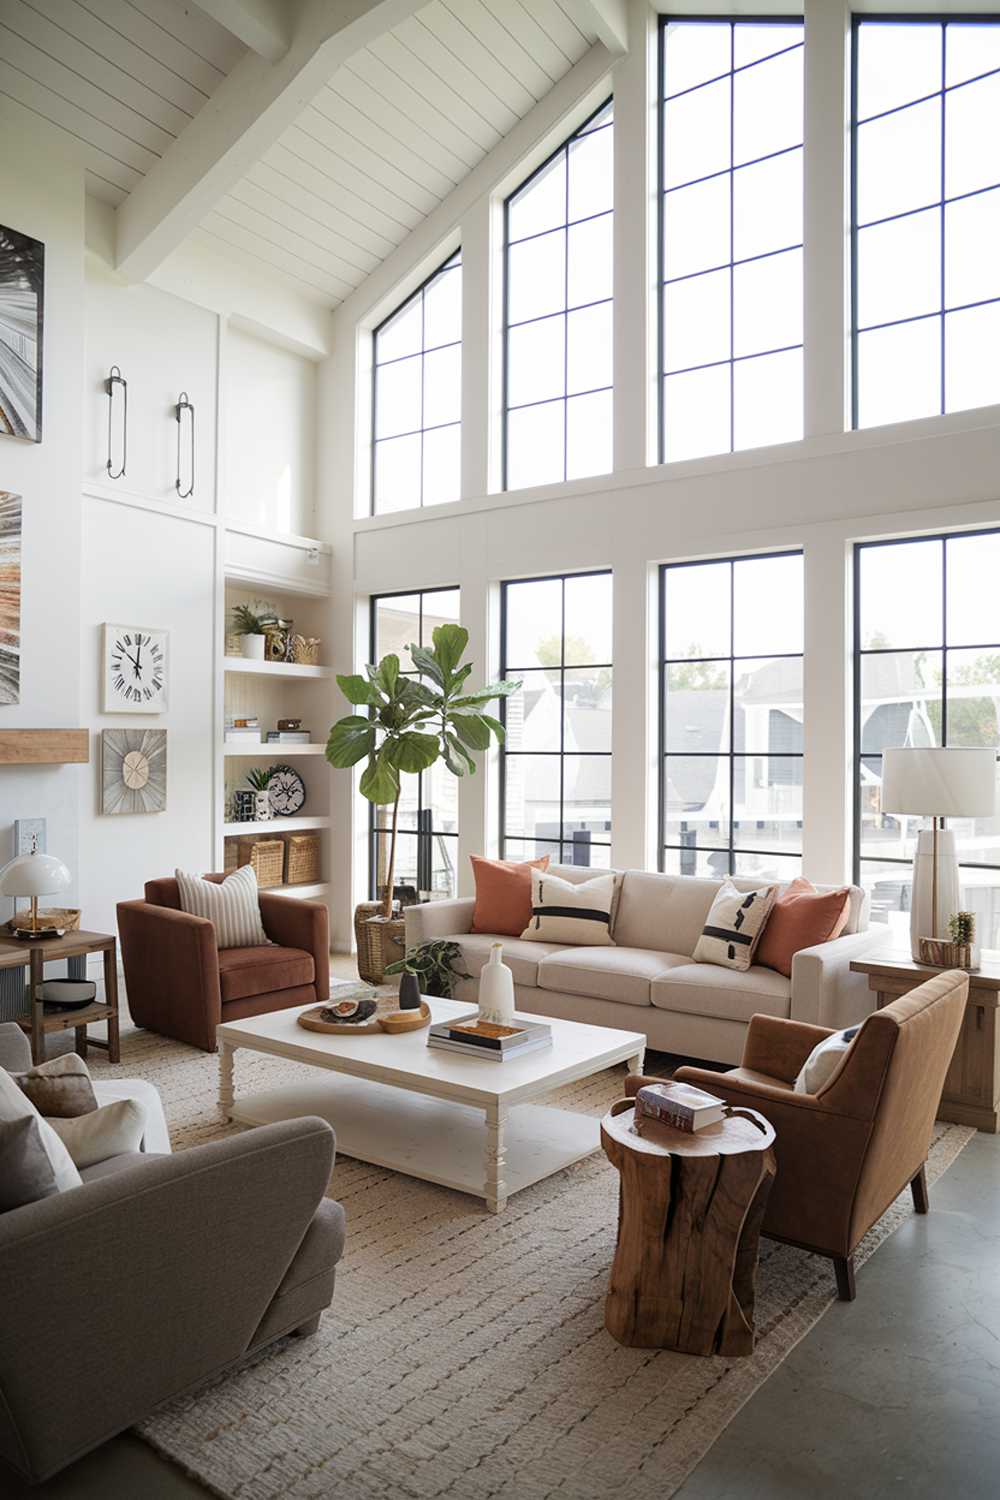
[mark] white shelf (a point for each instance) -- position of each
(249, 750)
(274, 668)
(276, 825)
(302, 889)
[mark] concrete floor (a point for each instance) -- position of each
(898, 1392)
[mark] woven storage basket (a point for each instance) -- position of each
(303, 859)
(305, 650)
(379, 942)
(266, 856)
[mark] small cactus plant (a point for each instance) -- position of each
(962, 927)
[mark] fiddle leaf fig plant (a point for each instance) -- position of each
(411, 722)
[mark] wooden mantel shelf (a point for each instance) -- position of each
(44, 747)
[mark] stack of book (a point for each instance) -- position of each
(289, 737)
(677, 1105)
(243, 730)
(485, 1039)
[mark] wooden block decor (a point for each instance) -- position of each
(685, 1265)
(44, 747)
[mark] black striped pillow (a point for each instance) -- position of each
(733, 926)
(563, 911)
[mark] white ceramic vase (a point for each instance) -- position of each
(263, 812)
(253, 647)
(923, 922)
(496, 989)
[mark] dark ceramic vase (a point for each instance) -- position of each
(409, 992)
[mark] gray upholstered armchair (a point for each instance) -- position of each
(157, 1274)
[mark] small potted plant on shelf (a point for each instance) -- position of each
(411, 722)
(962, 931)
(250, 622)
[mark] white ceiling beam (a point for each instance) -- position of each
(262, 25)
(249, 111)
(607, 19)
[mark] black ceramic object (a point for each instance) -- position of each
(409, 992)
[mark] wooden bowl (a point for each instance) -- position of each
(387, 1018)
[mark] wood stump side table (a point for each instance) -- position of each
(690, 1211)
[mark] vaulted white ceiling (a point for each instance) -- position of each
(317, 154)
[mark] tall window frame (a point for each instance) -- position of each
(591, 127)
(419, 351)
(786, 432)
(379, 818)
(945, 311)
(939, 642)
(565, 842)
(722, 856)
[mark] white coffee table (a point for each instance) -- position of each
(466, 1123)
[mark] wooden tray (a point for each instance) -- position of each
(387, 1018)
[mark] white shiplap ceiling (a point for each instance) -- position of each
(380, 145)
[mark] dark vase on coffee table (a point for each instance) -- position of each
(409, 992)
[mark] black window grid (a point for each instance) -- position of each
(560, 845)
(451, 267)
(588, 127)
(862, 652)
(732, 755)
(379, 817)
(664, 193)
(940, 203)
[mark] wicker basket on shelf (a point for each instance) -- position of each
(305, 650)
(304, 861)
(265, 856)
(379, 942)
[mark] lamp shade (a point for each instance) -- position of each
(939, 783)
(34, 875)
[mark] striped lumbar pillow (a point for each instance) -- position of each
(565, 912)
(232, 907)
(734, 925)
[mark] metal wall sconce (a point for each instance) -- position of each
(116, 378)
(184, 406)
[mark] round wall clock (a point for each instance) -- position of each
(134, 668)
(287, 791)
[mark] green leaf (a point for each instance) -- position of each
(355, 689)
(413, 752)
(485, 694)
(459, 750)
(380, 781)
(495, 725)
(427, 663)
(471, 730)
(411, 693)
(449, 643)
(387, 674)
(350, 741)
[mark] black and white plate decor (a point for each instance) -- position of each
(134, 669)
(133, 770)
(287, 791)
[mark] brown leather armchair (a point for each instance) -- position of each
(181, 985)
(845, 1153)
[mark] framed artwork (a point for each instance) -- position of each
(134, 669)
(133, 770)
(22, 302)
(10, 597)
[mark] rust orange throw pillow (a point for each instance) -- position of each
(503, 894)
(801, 917)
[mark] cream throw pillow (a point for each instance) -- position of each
(109, 1130)
(232, 907)
(563, 911)
(733, 926)
(14, 1106)
(824, 1060)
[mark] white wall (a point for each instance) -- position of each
(271, 435)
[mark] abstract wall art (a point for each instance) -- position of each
(22, 300)
(133, 770)
(10, 598)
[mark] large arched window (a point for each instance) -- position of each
(558, 311)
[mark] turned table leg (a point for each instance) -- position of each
(226, 1051)
(36, 976)
(496, 1158)
(111, 999)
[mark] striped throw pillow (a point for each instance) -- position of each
(563, 911)
(232, 907)
(734, 925)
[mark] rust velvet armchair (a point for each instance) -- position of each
(181, 985)
(847, 1151)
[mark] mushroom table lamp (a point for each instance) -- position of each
(937, 783)
(34, 875)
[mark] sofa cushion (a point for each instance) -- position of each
(520, 957)
(619, 974)
(708, 990)
(801, 917)
(113, 1129)
(258, 971)
(503, 893)
(232, 906)
(570, 911)
(664, 912)
(733, 926)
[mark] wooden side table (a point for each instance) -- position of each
(690, 1211)
(17, 952)
(971, 1093)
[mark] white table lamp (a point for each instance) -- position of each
(34, 875)
(937, 783)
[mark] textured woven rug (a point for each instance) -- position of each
(464, 1355)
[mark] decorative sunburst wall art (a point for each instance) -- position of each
(22, 295)
(133, 770)
(10, 597)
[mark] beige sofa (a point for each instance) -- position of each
(648, 980)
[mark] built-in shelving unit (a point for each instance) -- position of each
(251, 751)
(274, 826)
(275, 669)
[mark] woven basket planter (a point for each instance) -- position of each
(379, 942)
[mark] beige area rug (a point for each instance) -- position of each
(464, 1355)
